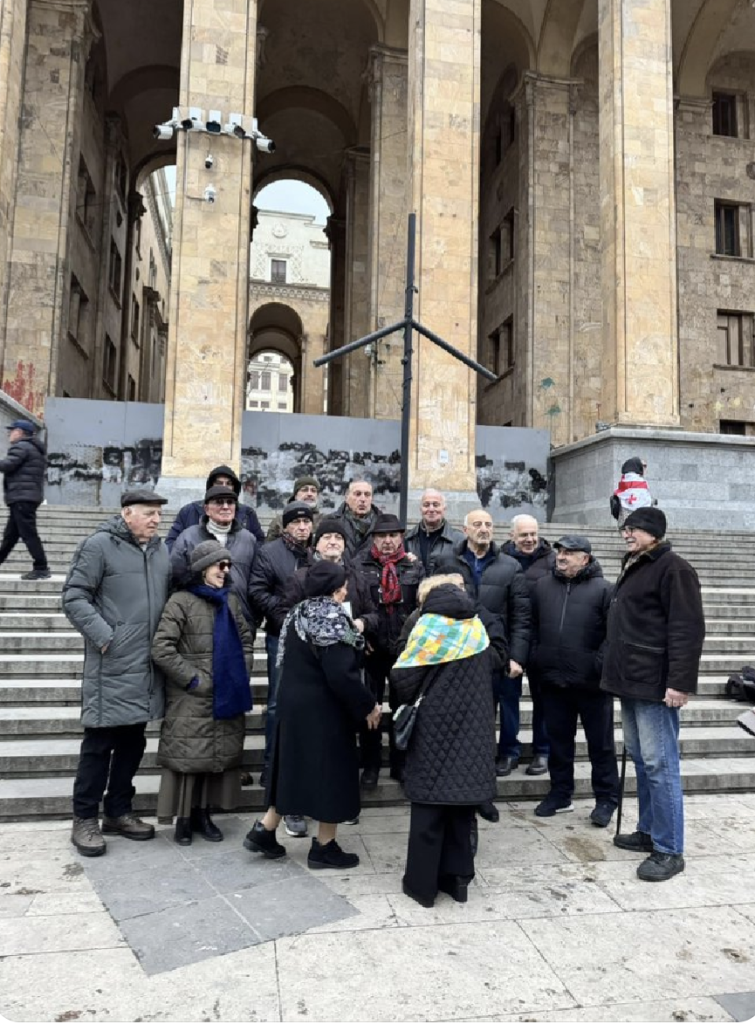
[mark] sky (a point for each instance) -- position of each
(282, 196)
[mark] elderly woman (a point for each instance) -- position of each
(450, 762)
(321, 702)
(204, 647)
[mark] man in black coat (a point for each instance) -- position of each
(358, 516)
(191, 514)
(656, 630)
(23, 470)
(433, 536)
(497, 583)
(569, 614)
(392, 577)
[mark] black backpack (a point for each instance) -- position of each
(741, 686)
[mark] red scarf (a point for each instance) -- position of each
(390, 588)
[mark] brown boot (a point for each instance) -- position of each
(128, 825)
(87, 838)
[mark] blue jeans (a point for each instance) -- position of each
(271, 649)
(651, 735)
(507, 692)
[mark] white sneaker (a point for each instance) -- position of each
(295, 825)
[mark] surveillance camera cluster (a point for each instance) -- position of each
(195, 122)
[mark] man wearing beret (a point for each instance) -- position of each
(656, 630)
(23, 470)
(114, 595)
(306, 489)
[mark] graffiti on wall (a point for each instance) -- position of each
(502, 483)
(126, 466)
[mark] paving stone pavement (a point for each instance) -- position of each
(557, 927)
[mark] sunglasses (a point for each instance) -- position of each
(223, 501)
(224, 566)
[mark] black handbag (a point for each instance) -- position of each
(405, 716)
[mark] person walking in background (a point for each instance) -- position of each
(632, 492)
(191, 514)
(204, 646)
(656, 630)
(114, 595)
(23, 470)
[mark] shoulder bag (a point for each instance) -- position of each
(405, 716)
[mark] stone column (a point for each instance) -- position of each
(356, 367)
(60, 33)
(389, 209)
(444, 158)
(207, 338)
(640, 366)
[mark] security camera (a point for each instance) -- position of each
(208, 161)
(263, 144)
(163, 132)
(209, 194)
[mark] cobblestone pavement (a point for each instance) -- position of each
(557, 927)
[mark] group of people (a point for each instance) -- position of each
(357, 608)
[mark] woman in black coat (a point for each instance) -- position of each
(450, 761)
(321, 703)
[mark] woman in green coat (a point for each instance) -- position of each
(204, 646)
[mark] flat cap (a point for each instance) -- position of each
(574, 542)
(142, 496)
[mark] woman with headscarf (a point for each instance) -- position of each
(321, 702)
(632, 491)
(205, 648)
(450, 760)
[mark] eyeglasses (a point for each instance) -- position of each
(224, 566)
(223, 501)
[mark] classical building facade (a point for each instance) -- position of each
(582, 173)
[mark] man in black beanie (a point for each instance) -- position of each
(656, 630)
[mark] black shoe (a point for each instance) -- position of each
(506, 766)
(553, 804)
(488, 811)
(263, 778)
(37, 574)
(183, 834)
(247, 779)
(369, 778)
(454, 886)
(660, 866)
(424, 901)
(261, 840)
(330, 856)
(202, 822)
(602, 813)
(538, 765)
(398, 775)
(639, 842)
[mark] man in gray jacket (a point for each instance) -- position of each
(114, 595)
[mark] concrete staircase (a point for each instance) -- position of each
(41, 658)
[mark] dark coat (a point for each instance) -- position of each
(359, 597)
(503, 591)
(23, 470)
(192, 740)
(114, 594)
(273, 567)
(410, 574)
(440, 542)
(534, 569)
(192, 513)
(451, 753)
(322, 701)
(355, 541)
(569, 628)
(656, 628)
(275, 529)
(242, 547)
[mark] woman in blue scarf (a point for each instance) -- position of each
(204, 646)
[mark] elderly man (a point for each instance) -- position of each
(306, 489)
(569, 613)
(536, 559)
(358, 516)
(656, 630)
(23, 470)
(497, 583)
(219, 523)
(273, 568)
(191, 514)
(114, 595)
(392, 577)
(432, 537)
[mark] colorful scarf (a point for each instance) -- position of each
(320, 621)
(436, 639)
(390, 587)
(231, 692)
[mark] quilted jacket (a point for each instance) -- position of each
(191, 739)
(451, 754)
(23, 470)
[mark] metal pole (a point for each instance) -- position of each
(354, 345)
(431, 336)
(406, 404)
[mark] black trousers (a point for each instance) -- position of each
(376, 672)
(563, 706)
(439, 844)
(109, 759)
(22, 524)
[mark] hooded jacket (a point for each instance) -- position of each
(23, 470)
(192, 513)
(114, 595)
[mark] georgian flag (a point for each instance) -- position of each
(633, 492)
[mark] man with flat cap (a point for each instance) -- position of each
(656, 630)
(23, 470)
(114, 595)
(569, 613)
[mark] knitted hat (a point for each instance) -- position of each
(330, 526)
(297, 510)
(324, 578)
(208, 553)
(220, 491)
(650, 519)
(304, 481)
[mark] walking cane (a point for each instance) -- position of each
(621, 787)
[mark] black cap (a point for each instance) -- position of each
(220, 491)
(26, 425)
(324, 578)
(649, 519)
(574, 542)
(297, 510)
(388, 523)
(142, 496)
